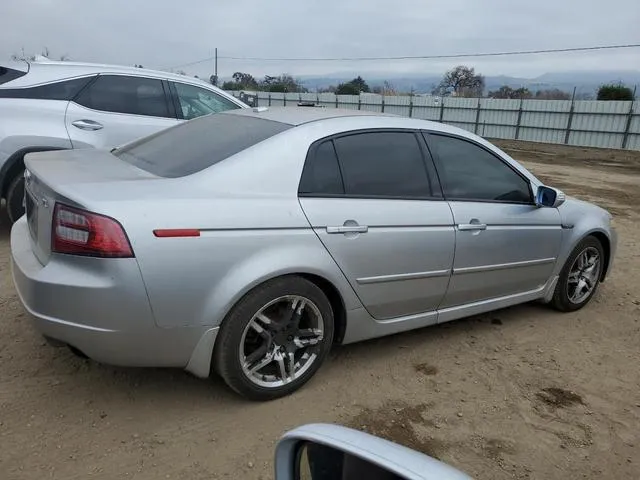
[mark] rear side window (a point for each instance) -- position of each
(122, 94)
(8, 74)
(321, 174)
(383, 164)
(195, 101)
(64, 90)
(193, 146)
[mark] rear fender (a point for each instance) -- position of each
(308, 258)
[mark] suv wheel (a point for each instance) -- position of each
(15, 198)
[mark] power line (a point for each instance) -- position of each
(418, 57)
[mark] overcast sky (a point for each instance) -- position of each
(167, 33)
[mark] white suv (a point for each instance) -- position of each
(47, 105)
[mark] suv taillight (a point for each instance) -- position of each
(78, 232)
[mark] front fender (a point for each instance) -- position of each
(579, 220)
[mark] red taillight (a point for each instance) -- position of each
(79, 232)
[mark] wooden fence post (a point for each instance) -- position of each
(411, 105)
(441, 109)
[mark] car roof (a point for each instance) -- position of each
(43, 70)
(297, 116)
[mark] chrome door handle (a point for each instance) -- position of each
(469, 227)
(348, 229)
(87, 125)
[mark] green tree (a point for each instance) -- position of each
(281, 83)
(507, 92)
(552, 94)
(615, 91)
(461, 81)
(353, 87)
(245, 81)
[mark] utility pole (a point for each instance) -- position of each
(214, 78)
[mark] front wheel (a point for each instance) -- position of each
(275, 339)
(15, 197)
(580, 276)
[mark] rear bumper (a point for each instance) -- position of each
(100, 307)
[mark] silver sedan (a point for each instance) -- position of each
(247, 243)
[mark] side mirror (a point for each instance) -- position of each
(549, 197)
(323, 451)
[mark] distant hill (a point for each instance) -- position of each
(587, 82)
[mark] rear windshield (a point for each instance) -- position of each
(195, 145)
(8, 74)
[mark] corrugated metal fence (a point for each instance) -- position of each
(585, 123)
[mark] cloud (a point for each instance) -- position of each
(166, 33)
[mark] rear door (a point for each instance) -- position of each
(376, 206)
(505, 244)
(116, 109)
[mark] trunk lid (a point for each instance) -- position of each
(52, 177)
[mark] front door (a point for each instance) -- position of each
(116, 109)
(372, 201)
(504, 244)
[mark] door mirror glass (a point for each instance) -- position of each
(549, 197)
(316, 461)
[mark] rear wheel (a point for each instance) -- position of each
(580, 276)
(275, 338)
(15, 198)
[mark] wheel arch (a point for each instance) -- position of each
(605, 241)
(15, 164)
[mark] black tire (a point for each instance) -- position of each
(561, 299)
(226, 358)
(15, 197)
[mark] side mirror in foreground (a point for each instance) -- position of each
(549, 197)
(333, 452)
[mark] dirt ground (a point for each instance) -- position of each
(522, 393)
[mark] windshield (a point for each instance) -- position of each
(193, 146)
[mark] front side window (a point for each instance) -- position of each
(196, 102)
(469, 172)
(122, 94)
(383, 164)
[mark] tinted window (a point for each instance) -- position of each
(120, 94)
(321, 174)
(386, 164)
(64, 90)
(469, 172)
(193, 146)
(8, 74)
(195, 101)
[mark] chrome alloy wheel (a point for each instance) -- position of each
(281, 341)
(583, 275)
